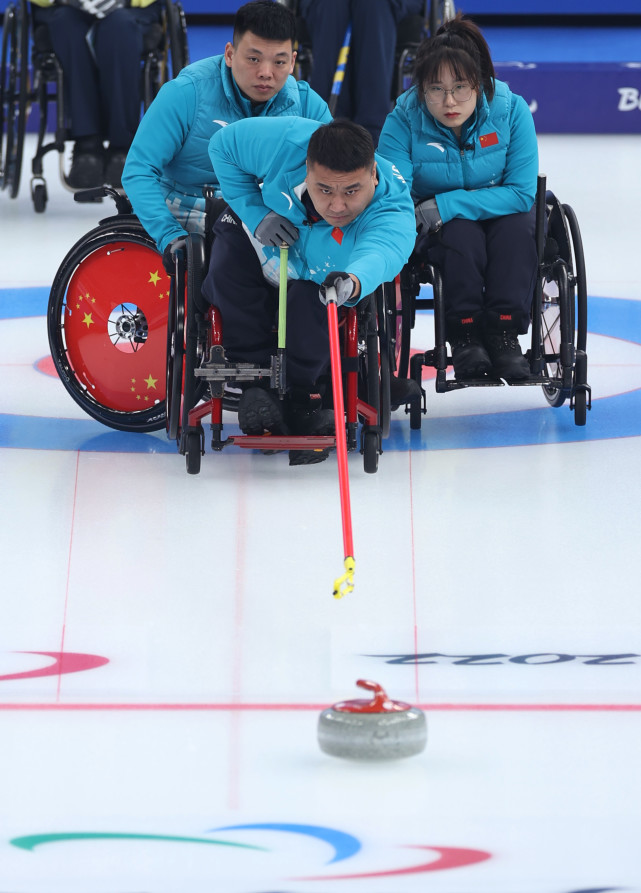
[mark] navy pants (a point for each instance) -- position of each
(249, 308)
(102, 88)
(488, 267)
(366, 93)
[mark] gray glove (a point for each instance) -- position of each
(344, 285)
(276, 230)
(427, 216)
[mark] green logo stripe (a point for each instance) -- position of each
(32, 841)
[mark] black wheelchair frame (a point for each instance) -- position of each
(557, 353)
(23, 44)
(139, 351)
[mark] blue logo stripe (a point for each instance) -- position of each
(345, 845)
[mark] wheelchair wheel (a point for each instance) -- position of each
(177, 29)
(14, 95)
(386, 360)
(440, 11)
(564, 315)
(107, 322)
(400, 324)
(175, 359)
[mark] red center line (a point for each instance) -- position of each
(71, 532)
(249, 707)
(414, 609)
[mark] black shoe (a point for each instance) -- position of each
(260, 412)
(469, 356)
(307, 421)
(505, 353)
(403, 391)
(115, 164)
(87, 170)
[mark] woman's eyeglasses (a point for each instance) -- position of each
(461, 93)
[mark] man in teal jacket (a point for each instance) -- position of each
(168, 163)
(348, 218)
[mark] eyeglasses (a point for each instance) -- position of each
(461, 93)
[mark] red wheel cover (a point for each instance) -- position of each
(115, 288)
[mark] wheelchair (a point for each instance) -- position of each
(138, 351)
(410, 32)
(557, 352)
(165, 52)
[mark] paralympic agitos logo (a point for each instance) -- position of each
(345, 848)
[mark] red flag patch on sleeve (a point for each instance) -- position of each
(337, 234)
(488, 139)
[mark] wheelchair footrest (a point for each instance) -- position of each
(283, 441)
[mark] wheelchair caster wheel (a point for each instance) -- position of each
(193, 451)
(370, 452)
(39, 197)
(379, 729)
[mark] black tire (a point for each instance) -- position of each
(370, 451)
(178, 46)
(14, 95)
(193, 451)
(39, 197)
(175, 360)
(558, 334)
(580, 392)
(382, 368)
(116, 270)
(416, 415)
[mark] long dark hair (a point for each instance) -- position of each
(458, 44)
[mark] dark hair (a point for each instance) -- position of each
(266, 19)
(341, 145)
(459, 45)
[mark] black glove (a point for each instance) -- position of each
(169, 255)
(344, 285)
(427, 216)
(276, 230)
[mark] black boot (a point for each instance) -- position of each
(304, 416)
(259, 412)
(469, 356)
(87, 164)
(501, 340)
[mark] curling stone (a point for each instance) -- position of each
(379, 729)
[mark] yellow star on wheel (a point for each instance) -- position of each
(88, 321)
(154, 278)
(151, 382)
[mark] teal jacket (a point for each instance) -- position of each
(491, 172)
(169, 159)
(261, 166)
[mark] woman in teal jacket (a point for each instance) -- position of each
(168, 163)
(467, 147)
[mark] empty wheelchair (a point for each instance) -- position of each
(139, 352)
(31, 75)
(557, 353)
